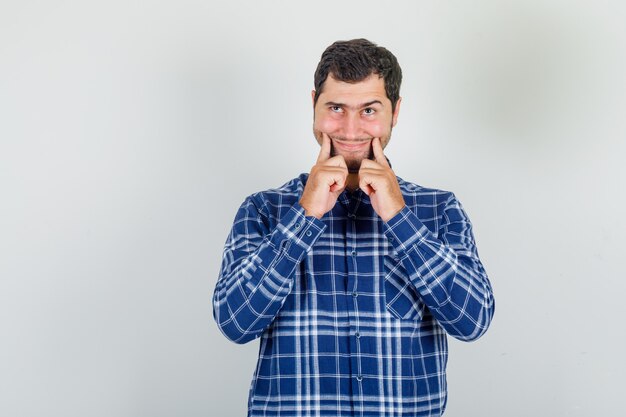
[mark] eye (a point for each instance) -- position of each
(369, 111)
(336, 109)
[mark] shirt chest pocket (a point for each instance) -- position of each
(401, 298)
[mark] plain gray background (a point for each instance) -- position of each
(130, 132)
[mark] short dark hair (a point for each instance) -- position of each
(355, 60)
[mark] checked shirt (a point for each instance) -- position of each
(352, 312)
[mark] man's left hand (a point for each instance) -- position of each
(379, 182)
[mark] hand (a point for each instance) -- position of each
(326, 181)
(379, 182)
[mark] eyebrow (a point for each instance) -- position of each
(360, 106)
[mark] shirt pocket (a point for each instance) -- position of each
(401, 297)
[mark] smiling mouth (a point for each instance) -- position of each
(353, 154)
(352, 145)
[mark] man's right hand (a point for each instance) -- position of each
(326, 181)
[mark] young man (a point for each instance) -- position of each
(351, 276)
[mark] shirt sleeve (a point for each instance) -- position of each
(258, 268)
(445, 269)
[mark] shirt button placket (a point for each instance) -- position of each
(353, 285)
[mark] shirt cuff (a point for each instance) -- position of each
(405, 230)
(296, 233)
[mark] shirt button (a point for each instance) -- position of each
(359, 378)
(297, 225)
(309, 233)
(391, 239)
(355, 294)
(353, 253)
(358, 335)
(352, 216)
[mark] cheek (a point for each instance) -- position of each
(325, 124)
(377, 129)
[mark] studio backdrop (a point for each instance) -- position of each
(130, 133)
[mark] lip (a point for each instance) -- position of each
(352, 146)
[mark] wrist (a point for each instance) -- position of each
(309, 213)
(392, 213)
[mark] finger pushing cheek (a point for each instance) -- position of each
(379, 156)
(324, 149)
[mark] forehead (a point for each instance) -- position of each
(369, 89)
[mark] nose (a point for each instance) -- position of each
(352, 128)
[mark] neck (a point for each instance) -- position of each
(352, 182)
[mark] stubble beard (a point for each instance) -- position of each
(353, 162)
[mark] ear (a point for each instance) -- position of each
(313, 98)
(396, 112)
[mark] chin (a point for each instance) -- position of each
(354, 164)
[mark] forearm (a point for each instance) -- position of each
(253, 284)
(448, 275)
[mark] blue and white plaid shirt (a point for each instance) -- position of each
(352, 312)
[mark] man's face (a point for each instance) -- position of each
(352, 114)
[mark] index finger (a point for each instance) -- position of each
(325, 150)
(379, 156)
